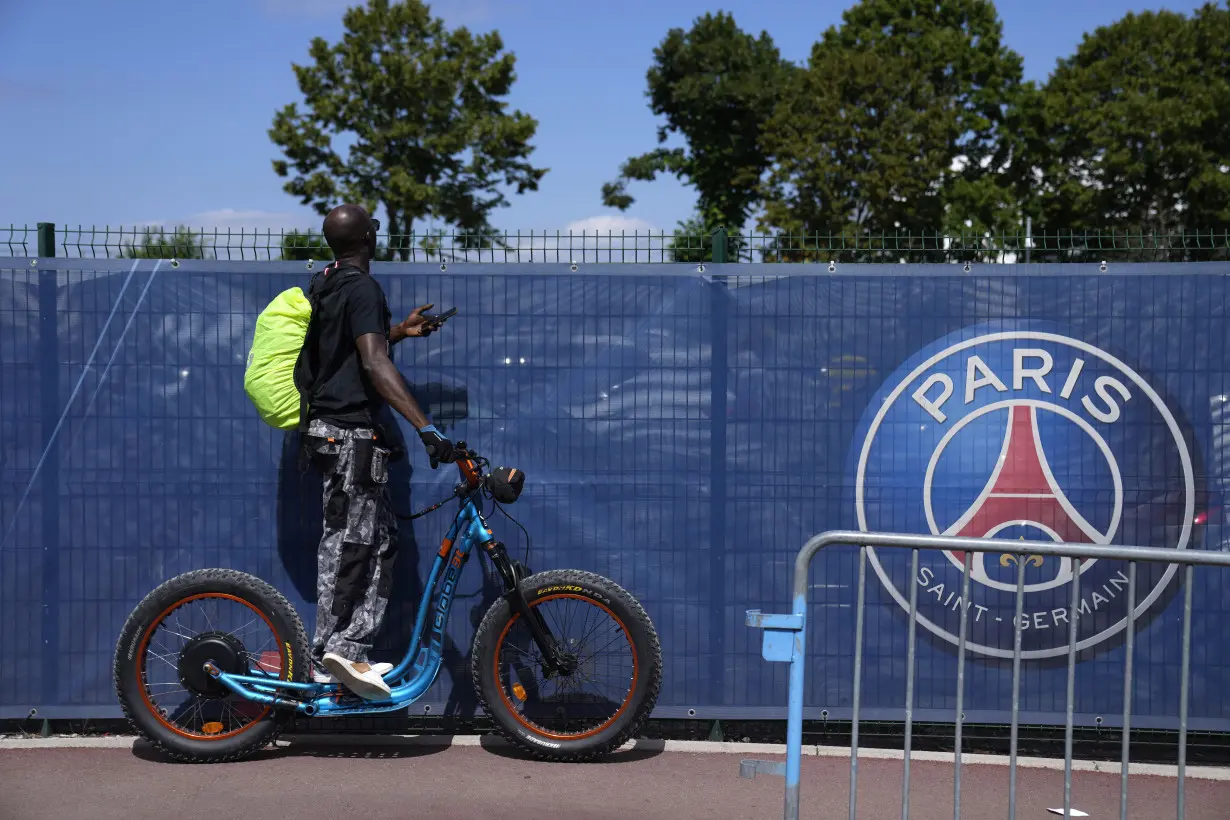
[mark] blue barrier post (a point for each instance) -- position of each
(784, 642)
(794, 708)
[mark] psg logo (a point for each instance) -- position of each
(1015, 432)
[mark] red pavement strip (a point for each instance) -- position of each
(390, 777)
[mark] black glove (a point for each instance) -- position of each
(439, 449)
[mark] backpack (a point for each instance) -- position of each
(280, 374)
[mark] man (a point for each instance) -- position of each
(354, 378)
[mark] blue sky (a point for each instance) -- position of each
(134, 111)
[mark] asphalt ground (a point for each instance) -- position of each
(390, 777)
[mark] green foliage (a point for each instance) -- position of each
(899, 120)
(692, 241)
(1129, 132)
(300, 247)
(858, 150)
(449, 246)
(183, 243)
(424, 109)
(715, 85)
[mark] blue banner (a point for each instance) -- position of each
(682, 432)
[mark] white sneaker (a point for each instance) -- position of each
(360, 678)
(320, 676)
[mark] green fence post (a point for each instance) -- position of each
(50, 477)
(719, 375)
(47, 239)
(719, 245)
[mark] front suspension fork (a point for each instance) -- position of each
(512, 575)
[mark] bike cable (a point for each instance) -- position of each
(518, 523)
(422, 513)
(486, 493)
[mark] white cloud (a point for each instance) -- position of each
(235, 233)
(229, 218)
(610, 224)
(603, 238)
(236, 221)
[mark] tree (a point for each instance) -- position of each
(858, 150)
(1130, 130)
(692, 241)
(956, 46)
(300, 247)
(449, 247)
(715, 85)
(899, 125)
(183, 243)
(423, 107)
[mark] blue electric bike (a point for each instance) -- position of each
(213, 664)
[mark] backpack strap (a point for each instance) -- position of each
(305, 371)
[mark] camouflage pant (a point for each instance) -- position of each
(354, 561)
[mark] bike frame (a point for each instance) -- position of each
(416, 672)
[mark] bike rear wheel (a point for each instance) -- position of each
(585, 713)
(231, 619)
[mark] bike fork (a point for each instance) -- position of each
(539, 630)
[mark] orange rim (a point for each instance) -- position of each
(538, 730)
(282, 651)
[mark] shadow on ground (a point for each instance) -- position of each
(391, 747)
(643, 749)
(639, 750)
(359, 749)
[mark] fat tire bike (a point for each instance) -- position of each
(241, 687)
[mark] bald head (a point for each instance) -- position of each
(350, 232)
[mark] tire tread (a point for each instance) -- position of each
(631, 729)
(163, 596)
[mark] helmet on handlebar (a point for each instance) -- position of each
(505, 484)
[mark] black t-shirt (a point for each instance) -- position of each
(349, 308)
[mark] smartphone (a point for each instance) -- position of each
(442, 318)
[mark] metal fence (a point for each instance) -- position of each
(628, 247)
(785, 641)
(682, 432)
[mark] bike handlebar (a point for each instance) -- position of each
(469, 465)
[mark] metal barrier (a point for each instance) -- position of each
(785, 642)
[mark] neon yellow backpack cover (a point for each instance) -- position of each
(269, 379)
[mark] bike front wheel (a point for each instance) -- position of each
(605, 696)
